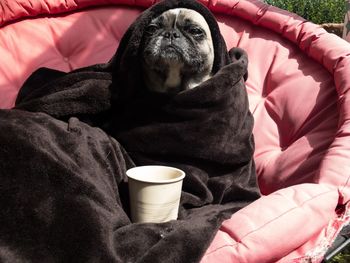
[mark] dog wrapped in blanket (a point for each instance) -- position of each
(171, 95)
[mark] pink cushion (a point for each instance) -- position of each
(298, 90)
(281, 226)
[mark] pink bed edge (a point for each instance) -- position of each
(296, 223)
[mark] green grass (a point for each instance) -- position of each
(343, 257)
(317, 11)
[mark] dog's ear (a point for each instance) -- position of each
(239, 55)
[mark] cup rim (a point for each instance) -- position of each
(136, 178)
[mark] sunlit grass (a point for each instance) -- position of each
(343, 257)
(317, 11)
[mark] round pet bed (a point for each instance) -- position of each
(298, 87)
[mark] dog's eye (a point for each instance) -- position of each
(194, 31)
(152, 28)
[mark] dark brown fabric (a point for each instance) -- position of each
(71, 137)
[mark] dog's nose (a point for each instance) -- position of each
(172, 34)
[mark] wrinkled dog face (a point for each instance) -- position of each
(177, 52)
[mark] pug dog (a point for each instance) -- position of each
(178, 51)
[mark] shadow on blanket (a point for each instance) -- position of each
(68, 142)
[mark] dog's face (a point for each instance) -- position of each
(177, 51)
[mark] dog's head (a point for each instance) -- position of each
(177, 51)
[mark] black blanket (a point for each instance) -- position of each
(71, 137)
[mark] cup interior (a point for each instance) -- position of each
(155, 174)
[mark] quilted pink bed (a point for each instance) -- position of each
(298, 88)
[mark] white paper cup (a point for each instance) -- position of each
(154, 193)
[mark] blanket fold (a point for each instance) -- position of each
(71, 137)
